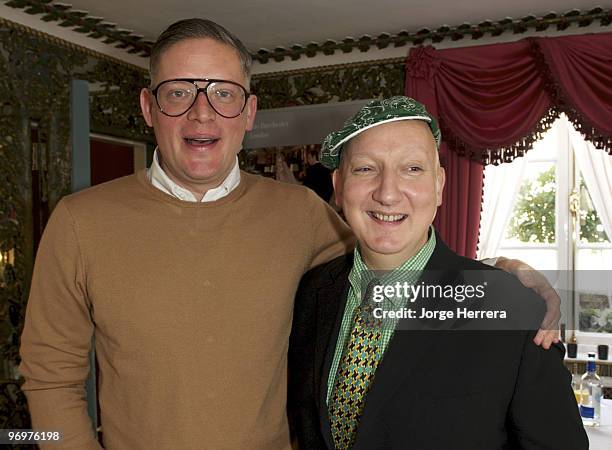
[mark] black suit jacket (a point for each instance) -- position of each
(433, 389)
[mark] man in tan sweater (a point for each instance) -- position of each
(184, 274)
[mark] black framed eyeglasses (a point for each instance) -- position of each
(175, 97)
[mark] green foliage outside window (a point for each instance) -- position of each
(591, 229)
(533, 219)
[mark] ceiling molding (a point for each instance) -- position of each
(82, 22)
(488, 28)
(97, 28)
(4, 23)
(400, 62)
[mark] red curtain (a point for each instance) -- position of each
(459, 214)
(494, 101)
(578, 72)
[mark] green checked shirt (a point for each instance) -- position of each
(360, 276)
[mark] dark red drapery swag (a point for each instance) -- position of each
(494, 101)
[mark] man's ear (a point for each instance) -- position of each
(251, 109)
(440, 185)
(337, 183)
(146, 100)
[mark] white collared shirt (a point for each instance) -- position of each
(162, 181)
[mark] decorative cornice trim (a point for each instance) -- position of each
(400, 62)
(96, 28)
(68, 45)
(82, 22)
(516, 26)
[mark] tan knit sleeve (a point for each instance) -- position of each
(331, 235)
(57, 336)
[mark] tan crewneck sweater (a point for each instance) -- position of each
(190, 305)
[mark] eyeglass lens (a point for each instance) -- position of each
(176, 97)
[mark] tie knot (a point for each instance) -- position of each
(365, 311)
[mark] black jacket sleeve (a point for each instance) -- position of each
(544, 380)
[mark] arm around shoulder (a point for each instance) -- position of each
(57, 336)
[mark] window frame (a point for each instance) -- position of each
(567, 234)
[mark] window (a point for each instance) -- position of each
(540, 209)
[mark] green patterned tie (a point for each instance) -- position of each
(355, 374)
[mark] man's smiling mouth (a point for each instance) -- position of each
(201, 141)
(387, 217)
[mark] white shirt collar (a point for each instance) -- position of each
(162, 181)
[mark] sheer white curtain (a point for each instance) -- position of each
(596, 168)
(501, 185)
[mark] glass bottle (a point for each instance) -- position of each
(590, 394)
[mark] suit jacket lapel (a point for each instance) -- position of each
(402, 359)
(331, 301)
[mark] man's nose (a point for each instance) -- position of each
(201, 109)
(388, 190)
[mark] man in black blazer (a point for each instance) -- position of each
(359, 381)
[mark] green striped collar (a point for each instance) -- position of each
(409, 271)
